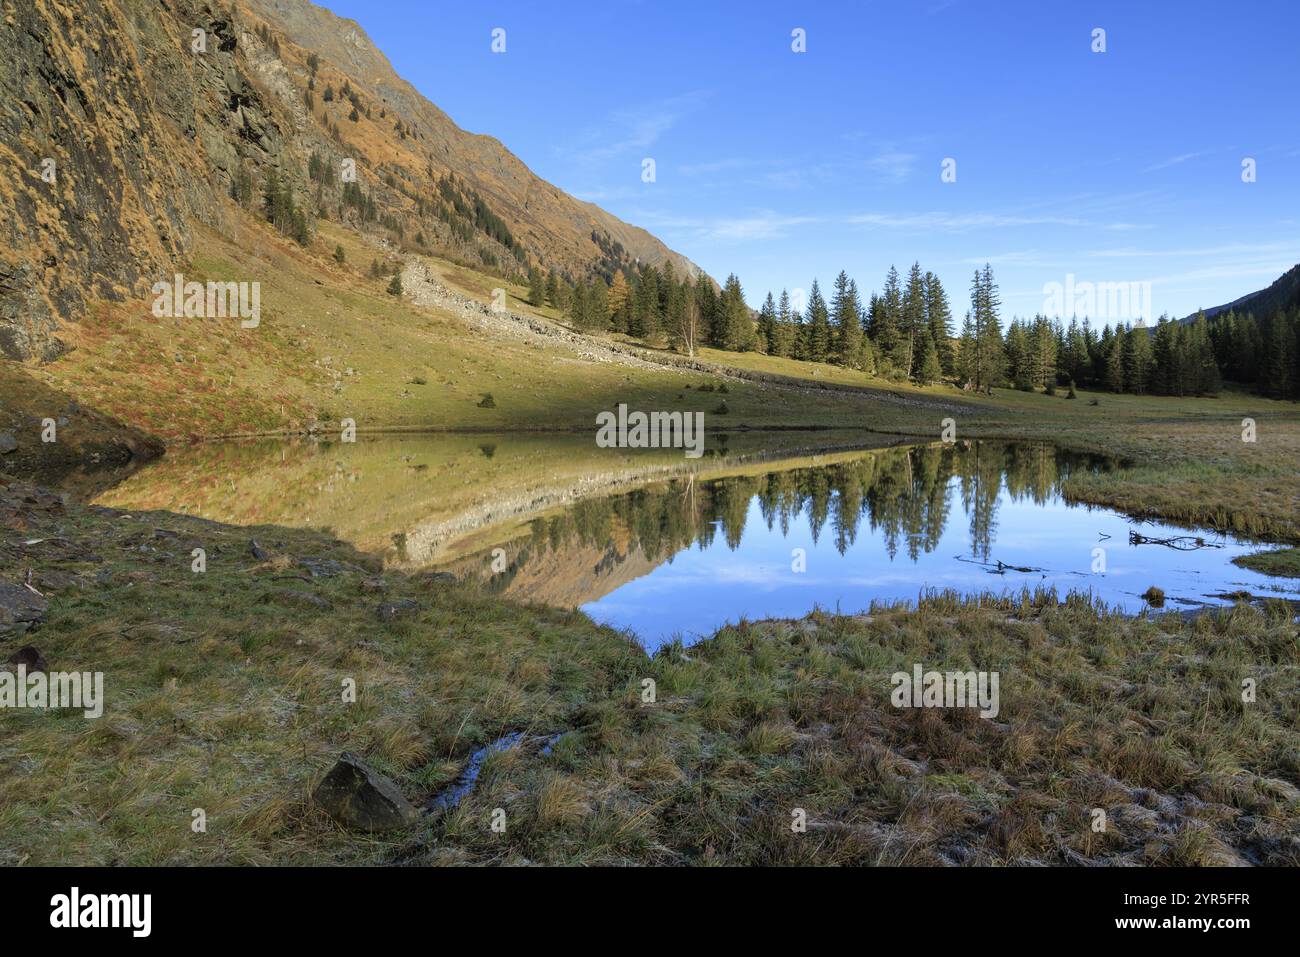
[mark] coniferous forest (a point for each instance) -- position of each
(907, 331)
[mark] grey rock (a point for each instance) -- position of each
(361, 799)
(30, 657)
(402, 608)
(7, 443)
(325, 567)
(20, 609)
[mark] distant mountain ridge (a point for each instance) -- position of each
(1283, 295)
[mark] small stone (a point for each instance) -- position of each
(402, 608)
(7, 443)
(359, 798)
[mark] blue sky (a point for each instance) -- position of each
(1122, 166)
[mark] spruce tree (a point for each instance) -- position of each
(914, 323)
(886, 326)
(938, 317)
(784, 343)
(819, 327)
(767, 332)
(536, 287)
(928, 369)
(553, 290)
(847, 322)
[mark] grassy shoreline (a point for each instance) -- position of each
(225, 687)
(224, 693)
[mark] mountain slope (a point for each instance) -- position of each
(1282, 295)
(150, 130)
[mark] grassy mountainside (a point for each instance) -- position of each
(125, 132)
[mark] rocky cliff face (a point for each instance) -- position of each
(122, 127)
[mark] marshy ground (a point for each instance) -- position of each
(226, 688)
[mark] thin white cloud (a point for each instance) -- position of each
(634, 130)
(892, 165)
(1174, 161)
(759, 225)
(964, 222)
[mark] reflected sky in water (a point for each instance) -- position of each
(949, 533)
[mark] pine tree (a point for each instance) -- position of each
(732, 326)
(553, 290)
(578, 306)
(784, 343)
(706, 300)
(819, 327)
(928, 369)
(1017, 356)
(846, 319)
(1137, 360)
(968, 354)
(598, 306)
(913, 323)
(1115, 362)
(1043, 344)
(767, 333)
(886, 326)
(646, 321)
(938, 317)
(536, 287)
(987, 360)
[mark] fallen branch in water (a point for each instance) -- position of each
(999, 567)
(1183, 543)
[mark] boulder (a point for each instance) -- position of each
(30, 657)
(20, 609)
(359, 798)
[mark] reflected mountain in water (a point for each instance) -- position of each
(682, 557)
(903, 496)
(660, 545)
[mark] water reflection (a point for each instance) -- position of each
(661, 545)
(684, 556)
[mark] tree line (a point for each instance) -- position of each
(906, 332)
